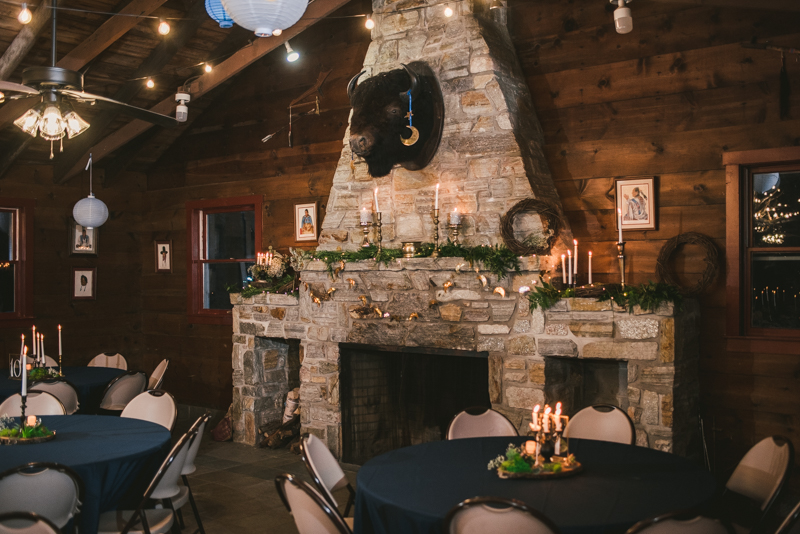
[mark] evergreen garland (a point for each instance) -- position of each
(647, 296)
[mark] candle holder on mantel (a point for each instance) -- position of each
(621, 250)
(454, 232)
(379, 237)
(365, 230)
(435, 253)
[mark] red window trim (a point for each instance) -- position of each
(737, 167)
(23, 285)
(194, 267)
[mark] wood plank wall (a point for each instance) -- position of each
(668, 100)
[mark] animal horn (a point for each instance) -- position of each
(352, 85)
(414, 88)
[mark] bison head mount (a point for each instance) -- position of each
(380, 132)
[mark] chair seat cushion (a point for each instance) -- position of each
(113, 522)
(179, 500)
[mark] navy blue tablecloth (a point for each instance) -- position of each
(410, 490)
(90, 382)
(114, 457)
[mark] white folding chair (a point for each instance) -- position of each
(122, 390)
(185, 494)
(480, 423)
(109, 359)
(26, 523)
(494, 514)
(37, 403)
(311, 512)
(154, 405)
(325, 471)
(759, 477)
(158, 375)
(681, 523)
(791, 525)
(53, 491)
(62, 390)
(153, 521)
(602, 422)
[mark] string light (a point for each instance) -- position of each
(150, 83)
(276, 32)
(163, 27)
(448, 12)
(207, 67)
(369, 23)
(25, 15)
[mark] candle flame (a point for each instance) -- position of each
(590, 253)
(536, 408)
(25, 351)
(547, 410)
(563, 256)
(574, 241)
(569, 252)
(437, 186)
(59, 327)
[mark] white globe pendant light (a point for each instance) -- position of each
(265, 17)
(90, 212)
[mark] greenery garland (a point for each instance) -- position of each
(498, 260)
(647, 296)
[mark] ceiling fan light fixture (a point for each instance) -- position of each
(29, 121)
(25, 15)
(75, 124)
(52, 124)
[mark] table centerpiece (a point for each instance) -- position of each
(30, 431)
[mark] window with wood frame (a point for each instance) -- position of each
(763, 206)
(224, 235)
(16, 261)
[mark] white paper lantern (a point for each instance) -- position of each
(264, 17)
(90, 212)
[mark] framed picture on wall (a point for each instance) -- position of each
(305, 221)
(84, 283)
(163, 256)
(83, 240)
(636, 202)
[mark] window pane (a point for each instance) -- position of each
(230, 235)
(216, 279)
(776, 209)
(776, 291)
(6, 235)
(7, 289)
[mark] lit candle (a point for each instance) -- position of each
(364, 216)
(376, 200)
(436, 198)
(33, 341)
(546, 419)
(619, 214)
(590, 267)
(43, 353)
(563, 268)
(59, 340)
(530, 447)
(569, 265)
(31, 420)
(535, 418)
(22, 345)
(24, 368)
(455, 218)
(558, 417)
(575, 265)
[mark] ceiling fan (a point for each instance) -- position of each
(54, 117)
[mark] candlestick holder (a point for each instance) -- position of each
(379, 237)
(22, 410)
(454, 232)
(365, 230)
(60, 369)
(435, 253)
(621, 250)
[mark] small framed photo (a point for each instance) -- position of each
(636, 198)
(83, 240)
(84, 283)
(163, 256)
(305, 221)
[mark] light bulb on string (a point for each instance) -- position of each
(369, 24)
(448, 11)
(277, 31)
(25, 15)
(163, 27)
(150, 83)
(207, 67)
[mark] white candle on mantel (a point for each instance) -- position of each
(43, 353)
(59, 340)
(569, 265)
(619, 214)
(590, 267)
(558, 417)
(546, 422)
(436, 198)
(455, 218)
(365, 216)
(563, 268)
(575, 265)
(377, 209)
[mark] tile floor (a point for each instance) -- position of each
(234, 487)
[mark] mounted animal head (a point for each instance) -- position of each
(380, 131)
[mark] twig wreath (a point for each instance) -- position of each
(665, 274)
(550, 218)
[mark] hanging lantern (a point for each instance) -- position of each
(264, 18)
(218, 14)
(90, 212)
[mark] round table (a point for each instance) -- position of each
(116, 458)
(90, 382)
(412, 489)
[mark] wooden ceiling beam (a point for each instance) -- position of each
(23, 42)
(111, 30)
(157, 60)
(232, 66)
(769, 5)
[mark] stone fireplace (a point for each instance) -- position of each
(489, 159)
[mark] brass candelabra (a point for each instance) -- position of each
(435, 253)
(621, 250)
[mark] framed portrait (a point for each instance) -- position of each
(83, 240)
(163, 256)
(636, 198)
(305, 222)
(84, 283)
